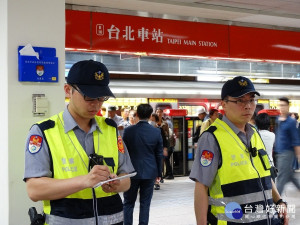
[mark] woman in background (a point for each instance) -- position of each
(262, 121)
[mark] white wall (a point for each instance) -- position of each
(4, 199)
(40, 23)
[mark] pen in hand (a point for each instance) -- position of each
(95, 163)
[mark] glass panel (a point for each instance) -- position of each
(259, 69)
(235, 68)
(196, 66)
(73, 57)
(178, 148)
(159, 65)
(187, 66)
(291, 71)
(114, 63)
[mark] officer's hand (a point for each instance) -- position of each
(97, 174)
(111, 186)
(282, 211)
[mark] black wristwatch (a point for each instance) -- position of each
(281, 201)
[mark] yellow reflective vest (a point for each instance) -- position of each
(69, 159)
(242, 190)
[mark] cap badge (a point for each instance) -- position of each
(243, 83)
(99, 75)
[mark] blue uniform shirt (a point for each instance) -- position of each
(287, 136)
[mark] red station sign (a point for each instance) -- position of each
(78, 29)
(158, 36)
(258, 43)
(114, 33)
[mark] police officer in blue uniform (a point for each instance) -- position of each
(231, 168)
(67, 155)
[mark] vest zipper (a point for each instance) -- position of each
(262, 188)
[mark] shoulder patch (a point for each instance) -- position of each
(110, 122)
(206, 158)
(120, 145)
(35, 144)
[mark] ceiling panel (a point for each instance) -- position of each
(251, 5)
(269, 20)
(288, 8)
(284, 14)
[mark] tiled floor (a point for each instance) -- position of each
(173, 204)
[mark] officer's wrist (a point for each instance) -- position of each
(280, 201)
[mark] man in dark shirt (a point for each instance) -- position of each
(145, 147)
(287, 145)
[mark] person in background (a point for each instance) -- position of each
(71, 152)
(167, 158)
(262, 122)
(145, 147)
(220, 116)
(168, 120)
(295, 116)
(201, 116)
(213, 115)
(252, 121)
(163, 124)
(154, 119)
(231, 168)
(125, 114)
(132, 117)
(112, 114)
(287, 146)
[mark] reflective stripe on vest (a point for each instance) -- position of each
(102, 220)
(237, 180)
(241, 199)
(70, 160)
(246, 218)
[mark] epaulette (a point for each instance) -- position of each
(46, 125)
(212, 129)
(110, 122)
